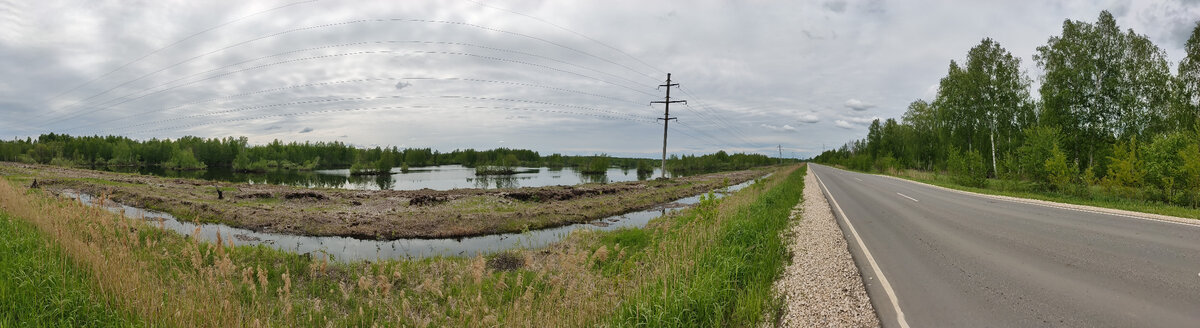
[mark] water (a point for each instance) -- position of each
(352, 249)
(442, 177)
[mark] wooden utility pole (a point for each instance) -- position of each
(667, 119)
(781, 154)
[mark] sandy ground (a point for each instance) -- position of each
(822, 286)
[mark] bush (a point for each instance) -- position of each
(968, 168)
(1037, 149)
(1126, 171)
(1058, 173)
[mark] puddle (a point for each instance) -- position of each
(352, 249)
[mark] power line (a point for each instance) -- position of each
(343, 24)
(172, 44)
(350, 81)
(640, 61)
(106, 105)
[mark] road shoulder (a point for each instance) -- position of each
(822, 286)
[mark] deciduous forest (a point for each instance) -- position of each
(1111, 121)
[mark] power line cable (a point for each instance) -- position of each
(177, 42)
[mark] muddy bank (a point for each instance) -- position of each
(382, 214)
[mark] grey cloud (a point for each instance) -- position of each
(306, 130)
(864, 52)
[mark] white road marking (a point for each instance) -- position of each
(909, 198)
(887, 287)
(1069, 207)
(859, 180)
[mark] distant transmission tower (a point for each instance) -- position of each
(667, 118)
(781, 154)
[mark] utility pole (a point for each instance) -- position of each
(667, 118)
(780, 154)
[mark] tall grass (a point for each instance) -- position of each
(736, 254)
(40, 286)
(710, 265)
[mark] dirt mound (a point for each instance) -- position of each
(426, 200)
(255, 195)
(506, 261)
(305, 194)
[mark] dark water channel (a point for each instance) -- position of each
(442, 177)
(352, 249)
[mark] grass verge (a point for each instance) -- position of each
(729, 281)
(41, 287)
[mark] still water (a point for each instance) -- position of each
(352, 249)
(442, 177)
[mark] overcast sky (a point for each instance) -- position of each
(574, 77)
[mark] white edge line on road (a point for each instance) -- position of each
(1046, 203)
(859, 180)
(909, 198)
(887, 287)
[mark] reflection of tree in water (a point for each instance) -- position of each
(593, 178)
(385, 181)
(643, 175)
(495, 181)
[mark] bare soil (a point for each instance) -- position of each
(373, 214)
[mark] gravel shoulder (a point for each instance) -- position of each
(822, 286)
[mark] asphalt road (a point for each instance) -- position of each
(956, 260)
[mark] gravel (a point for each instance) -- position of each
(821, 287)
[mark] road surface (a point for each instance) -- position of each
(956, 260)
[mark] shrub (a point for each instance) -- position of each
(1058, 172)
(967, 168)
(1126, 172)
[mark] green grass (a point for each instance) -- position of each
(41, 287)
(729, 284)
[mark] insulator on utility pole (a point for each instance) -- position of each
(667, 118)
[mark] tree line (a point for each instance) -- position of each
(1110, 114)
(195, 153)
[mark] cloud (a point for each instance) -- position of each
(843, 124)
(861, 120)
(809, 118)
(785, 127)
(402, 84)
(858, 105)
(306, 130)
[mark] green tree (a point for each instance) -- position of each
(967, 168)
(1186, 110)
(1190, 170)
(1058, 172)
(1100, 84)
(1126, 171)
(1163, 166)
